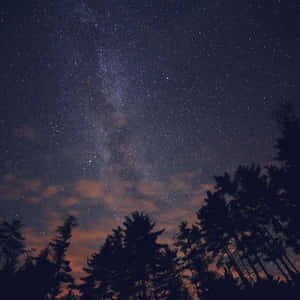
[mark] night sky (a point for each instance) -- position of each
(113, 106)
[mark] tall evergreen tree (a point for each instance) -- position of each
(58, 249)
(132, 265)
(220, 233)
(194, 259)
(287, 176)
(12, 245)
(12, 248)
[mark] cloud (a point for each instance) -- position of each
(171, 219)
(36, 240)
(181, 182)
(198, 194)
(112, 201)
(8, 177)
(27, 132)
(13, 188)
(118, 197)
(31, 190)
(33, 185)
(151, 188)
(34, 199)
(50, 191)
(10, 191)
(69, 201)
(90, 188)
(84, 243)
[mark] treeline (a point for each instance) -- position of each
(244, 244)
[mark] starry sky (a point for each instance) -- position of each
(113, 106)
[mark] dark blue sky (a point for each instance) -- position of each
(111, 106)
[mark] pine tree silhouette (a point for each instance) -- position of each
(133, 265)
(12, 248)
(287, 176)
(58, 249)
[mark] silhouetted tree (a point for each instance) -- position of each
(58, 248)
(243, 195)
(194, 259)
(219, 232)
(70, 296)
(41, 277)
(12, 248)
(252, 225)
(168, 283)
(240, 229)
(132, 265)
(91, 289)
(220, 287)
(249, 222)
(38, 276)
(12, 245)
(286, 177)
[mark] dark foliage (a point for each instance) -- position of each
(133, 265)
(41, 277)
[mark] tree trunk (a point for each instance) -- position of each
(281, 270)
(291, 264)
(280, 258)
(235, 265)
(256, 257)
(244, 265)
(259, 261)
(269, 246)
(289, 271)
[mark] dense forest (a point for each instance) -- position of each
(244, 245)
